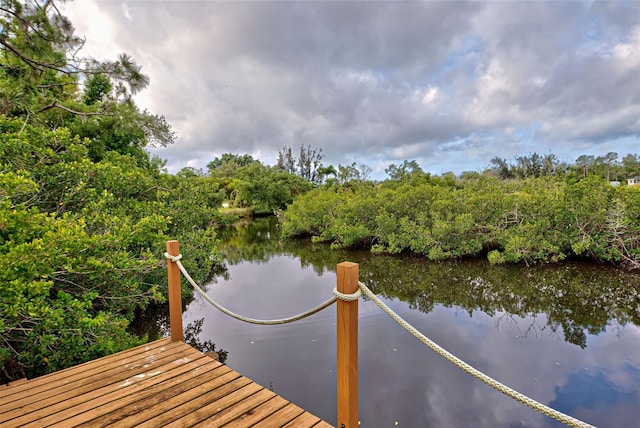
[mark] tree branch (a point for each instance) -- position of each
(26, 23)
(53, 85)
(41, 66)
(55, 104)
(31, 63)
(25, 122)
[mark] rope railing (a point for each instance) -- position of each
(362, 289)
(239, 317)
(545, 410)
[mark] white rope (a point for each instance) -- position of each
(176, 260)
(559, 416)
(363, 289)
(347, 297)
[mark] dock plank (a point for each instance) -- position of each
(253, 416)
(238, 409)
(116, 397)
(67, 375)
(285, 415)
(58, 382)
(166, 411)
(147, 405)
(162, 383)
(58, 398)
(305, 420)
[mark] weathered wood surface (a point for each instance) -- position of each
(163, 383)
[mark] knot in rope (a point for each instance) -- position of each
(347, 297)
(173, 258)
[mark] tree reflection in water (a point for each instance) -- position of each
(565, 334)
(577, 298)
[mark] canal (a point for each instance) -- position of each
(566, 335)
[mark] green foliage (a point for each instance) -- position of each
(81, 245)
(312, 213)
(308, 165)
(248, 183)
(65, 293)
(607, 167)
(84, 210)
(97, 89)
(403, 171)
(528, 221)
(226, 164)
(40, 72)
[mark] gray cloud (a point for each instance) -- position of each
(450, 84)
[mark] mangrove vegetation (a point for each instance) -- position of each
(527, 220)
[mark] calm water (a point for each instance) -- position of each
(567, 336)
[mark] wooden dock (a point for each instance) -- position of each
(163, 383)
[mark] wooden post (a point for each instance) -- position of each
(175, 295)
(347, 351)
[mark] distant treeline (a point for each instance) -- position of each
(529, 220)
(609, 167)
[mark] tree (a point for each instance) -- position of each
(603, 165)
(527, 220)
(309, 162)
(529, 166)
(348, 173)
(551, 165)
(585, 162)
(97, 88)
(631, 165)
(40, 47)
(40, 75)
(365, 171)
(325, 171)
(64, 279)
(353, 172)
(229, 162)
(189, 172)
(308, 165)
(266, 190)
(248, 183)
(83, 208)
(79, 244)
(286, 161)
(404, 170)
(610, 161)
(501, 168)
(124, 129)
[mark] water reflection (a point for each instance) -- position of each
(567, 336)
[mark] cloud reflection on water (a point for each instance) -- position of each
(400, 379)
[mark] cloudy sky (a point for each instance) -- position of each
(450, 84)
